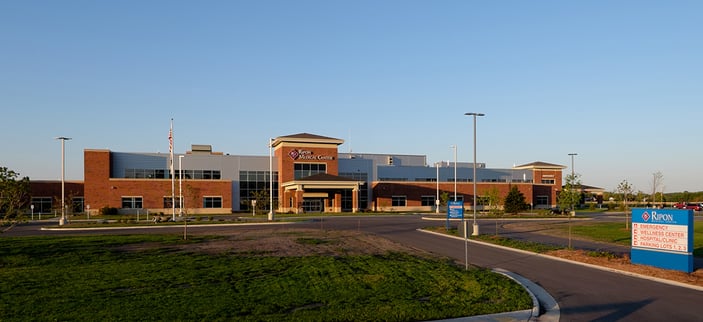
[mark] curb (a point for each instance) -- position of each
(606, 269)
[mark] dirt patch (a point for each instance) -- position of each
(301, 242)
(288, 242)
(624, 264)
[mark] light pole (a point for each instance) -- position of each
(270, 179)
(180, 185)
(475, 228)
(63, 139)
(436, 201)
(454, 147)
(572, 162)
(573, 210)
(180, 197)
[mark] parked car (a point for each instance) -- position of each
(692, 206)
(558, 211)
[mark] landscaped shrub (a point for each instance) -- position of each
(108, 210)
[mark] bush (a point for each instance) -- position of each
(108, 210)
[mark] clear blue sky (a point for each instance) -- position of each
(618, 82)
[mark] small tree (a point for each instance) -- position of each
(14, 193)
(262, 200)
(443, 198)
(570, 196)
(657, 179)
(494, 200)
(515, 201)
(625, 189)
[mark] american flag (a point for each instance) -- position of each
(170, 140)
(170, 147)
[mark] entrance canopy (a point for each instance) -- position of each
(323, 186)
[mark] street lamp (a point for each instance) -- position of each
(475, 228)
(180, 185)
(270, 216)
(572, 163)
(180, 197)
(63, 139)
(573, 210)
(436, 201)
(454, 147)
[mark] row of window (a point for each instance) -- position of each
(164, 174)
(46, 204)
(302, 170)
(544, 181)
(401, 201)
(138, 202)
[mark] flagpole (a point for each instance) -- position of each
(173, 179)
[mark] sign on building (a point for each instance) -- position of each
(663, 238)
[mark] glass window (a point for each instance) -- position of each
(542, 200)
(302, 170)
(132, 202)
(547, 181)
(77, 204)
(398, 201)
(427, 200)
(42, 204)
(212, 202)
(252, 182)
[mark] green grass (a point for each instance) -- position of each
(144, 277)
(517, 244)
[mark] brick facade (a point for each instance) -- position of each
(103, 191)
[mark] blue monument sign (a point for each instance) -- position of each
(663, 238)
(455, 209)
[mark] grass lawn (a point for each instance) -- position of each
(162, 277)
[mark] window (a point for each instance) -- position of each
(427, 200)
(547, 181)
(132, 202)
(212, 202)
(169, 204)
(303, 170)
(41, 204)
(347, 195)
(541, 200)
(398, 201)
(145, 173)
(252, 182)
(78, 204)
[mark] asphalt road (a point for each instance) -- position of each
(583, 293)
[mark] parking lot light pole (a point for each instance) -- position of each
(436, 201)
(573, 207)
(271, 211)
(63, 139)
(475, 226)
(454, 147)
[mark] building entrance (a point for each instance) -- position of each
(313, 204)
